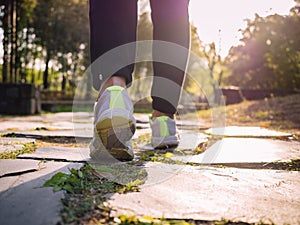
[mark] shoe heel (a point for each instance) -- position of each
(115, 132)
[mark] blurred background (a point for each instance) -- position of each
(252, 50)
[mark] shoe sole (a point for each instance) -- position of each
(166, 142)
(114, 133)
(121, 154)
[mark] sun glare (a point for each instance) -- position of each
(219, 21)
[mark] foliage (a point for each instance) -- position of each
(197, 72)
(148, 220)
(85, 194)
(61, 28)
(153, 156)
(269, 56)
(206, 70)
(38, 32)
(15, 18)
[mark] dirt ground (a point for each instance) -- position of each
(278, 113)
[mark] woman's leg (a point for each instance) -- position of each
(112, 23)
(171, 24)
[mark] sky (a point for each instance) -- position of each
(221, 19)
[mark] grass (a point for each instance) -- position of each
(28, 148)
(148, 220)
(153, 156)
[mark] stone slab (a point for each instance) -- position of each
(142, 126)
(59, 153)
(10, 147)
(11, 140)
(234, 131)
(70, 124)
(13, 144)
(215, 194)
(25, 201)
(56, 133)
(141, 117)
(7, 182)
(16, 125)
(47, 122)
(189, 124)
(13, 166)
(246, 150)
(188, 141)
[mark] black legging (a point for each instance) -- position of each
(114, 23)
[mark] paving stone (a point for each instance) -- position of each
(33, 118)
(141, 118)
(80, 117)
(67, 116)
(215, 194)
(25, 201)
(142, 126)
(246, 150)
(71, 124)
(7, 182)
(187, 124)
(59, 153)
(61, 125)
(11, 140)
(13, 144)
(12, 166)
(188, 141)
(10, 147)
(56, 124)
(234, 131)
(15, 125)
(57, 133)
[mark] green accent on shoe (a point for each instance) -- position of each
(164, 130)
(116, 98)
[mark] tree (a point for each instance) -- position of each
(269, 56)
(15, 18)
(60, 27)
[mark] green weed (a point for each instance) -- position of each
(85, 194)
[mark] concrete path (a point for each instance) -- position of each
(213, 185)
(23, 199)
(217, 193)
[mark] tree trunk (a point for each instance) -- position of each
(23, 71)
(220, 78)
(5, 44)
(15, 41)
(64, 82)
(12, 41)
(46, 72)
